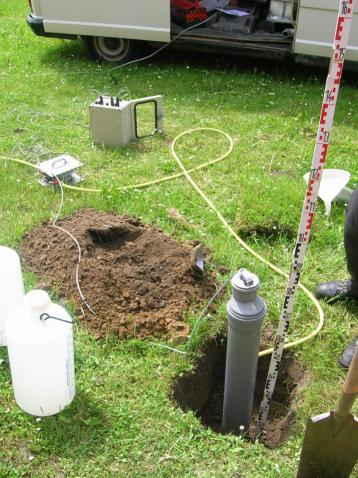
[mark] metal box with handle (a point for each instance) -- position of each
(115, 122)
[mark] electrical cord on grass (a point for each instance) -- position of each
(186, 172)
(197, 323)
(250, 250)
(151, 55)
(62, 229)
(165, 45)
(124, 93)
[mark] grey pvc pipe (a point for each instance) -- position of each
(246, 311)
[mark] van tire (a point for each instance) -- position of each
(112, 50)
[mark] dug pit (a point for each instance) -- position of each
(139, 281)
(202, 391)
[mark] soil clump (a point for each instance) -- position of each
(138, 280)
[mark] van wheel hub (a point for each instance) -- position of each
(112, 49)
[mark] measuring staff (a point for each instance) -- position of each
(344, 21)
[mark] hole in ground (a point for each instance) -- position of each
(270, 232)
(202, 391)
(112, 237)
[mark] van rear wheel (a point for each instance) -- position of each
(111, 50)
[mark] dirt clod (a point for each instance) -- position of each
(138, 280)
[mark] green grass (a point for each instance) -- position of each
(122, 422)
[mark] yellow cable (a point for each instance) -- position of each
(249, 249)
(147, 183)
(186, 172)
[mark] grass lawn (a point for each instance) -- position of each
(122, 422)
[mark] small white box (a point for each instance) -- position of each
(59, 166)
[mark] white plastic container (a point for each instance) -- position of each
(332, 187)
(11, 286)
(41, 355)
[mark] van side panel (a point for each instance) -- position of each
(137, 19)
(36, 9)
(315, 28)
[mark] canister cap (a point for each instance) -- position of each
(244, 281)
(37, 301)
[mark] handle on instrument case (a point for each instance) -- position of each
(158, 103)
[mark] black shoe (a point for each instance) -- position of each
(347, 356)
(340, 289)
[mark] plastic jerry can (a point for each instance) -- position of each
(11, 287)
(40, 347)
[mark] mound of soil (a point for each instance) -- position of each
(138, 280)
(202, 391)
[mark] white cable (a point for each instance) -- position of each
(197, 323)
(206, 309)
(78, 72)
(164, 46)
(77, 244)
(172, 349)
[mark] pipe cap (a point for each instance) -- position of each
(245, 282)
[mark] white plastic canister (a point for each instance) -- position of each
(40, 346)
(11, 286)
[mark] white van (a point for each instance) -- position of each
(114, 30)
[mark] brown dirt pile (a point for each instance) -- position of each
(138, 280)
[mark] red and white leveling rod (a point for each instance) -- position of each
(345, 16)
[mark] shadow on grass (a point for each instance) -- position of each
(75, 51)
(285, 70)
(80, 430)
(351, 306)
(70, 50)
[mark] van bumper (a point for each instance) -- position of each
(37, 26)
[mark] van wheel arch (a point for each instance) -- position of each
(112, 50)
